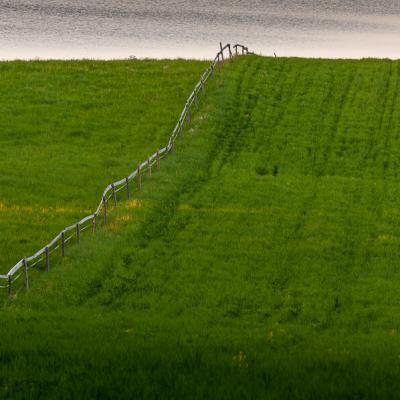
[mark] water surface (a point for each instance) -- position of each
(173, 28)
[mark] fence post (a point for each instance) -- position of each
(26, 273)
(158, 160)
(10, 282)
(202, 85)
(188, 117)
(230, 51)
(242, 50)
(105, 210)
(149, 166)
(78, 233)
(222, 52)
(47, 259)
(128, 188)
(63, 243)
(139, 178)
(114, 195)
(94, 222)
(236, 51)
(181, 125)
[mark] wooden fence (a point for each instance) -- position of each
(99, 217)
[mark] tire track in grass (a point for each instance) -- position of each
(235, 126)
(268, 157)
(284, 271)
(334, 129)
(376, 134)
(267, 102)
(162, 227)
(388, 128)
(379, 188)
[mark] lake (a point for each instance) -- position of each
(157, 29)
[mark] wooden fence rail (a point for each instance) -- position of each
(73, 232)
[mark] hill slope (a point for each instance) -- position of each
(67, 129)
(260, 262)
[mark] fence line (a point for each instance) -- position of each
(110, 192)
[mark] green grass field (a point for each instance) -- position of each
(260, 262)
(68, 129)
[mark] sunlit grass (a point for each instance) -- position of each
(68, 129)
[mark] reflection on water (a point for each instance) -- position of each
(177, 28)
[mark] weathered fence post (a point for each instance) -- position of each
(47, 259)
(78, 233)
(94, 222)
(114, 195)
(222, 51)
(158, 160)
(10, 282)
(230, 51)
(203, 87)
(63, 243)
(128, 188)
(139, 178)
(105, 210)
(26, 273)
(236, 50)
(149, 166)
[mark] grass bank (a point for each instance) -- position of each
(260, 262)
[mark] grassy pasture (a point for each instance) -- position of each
(260, 262)
(68, 129)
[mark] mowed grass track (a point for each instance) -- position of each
(68, 129)
(260, 262)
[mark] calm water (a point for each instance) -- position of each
(155, 28)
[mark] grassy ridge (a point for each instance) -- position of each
(67, 129)
(259, 263)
